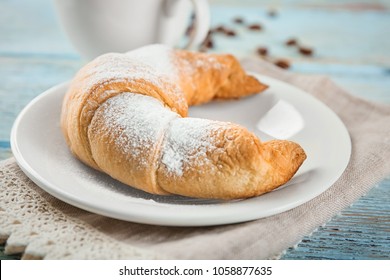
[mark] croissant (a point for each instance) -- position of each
(126, 115)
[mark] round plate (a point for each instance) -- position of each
(282, 111)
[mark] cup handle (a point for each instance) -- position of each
(201, 21)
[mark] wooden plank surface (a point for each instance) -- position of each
(351, 44)
(361, 231)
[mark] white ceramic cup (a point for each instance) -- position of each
(95, 27)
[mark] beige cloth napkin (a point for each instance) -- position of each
(41, 226)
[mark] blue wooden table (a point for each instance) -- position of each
(351, 43)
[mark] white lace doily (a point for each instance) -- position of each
(32, 226)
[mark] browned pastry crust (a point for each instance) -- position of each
(126, 115)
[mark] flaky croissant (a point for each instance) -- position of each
(126, 115)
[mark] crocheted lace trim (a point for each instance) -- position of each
(30, 225)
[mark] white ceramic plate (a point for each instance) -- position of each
(283, 111)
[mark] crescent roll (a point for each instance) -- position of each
(126, 115)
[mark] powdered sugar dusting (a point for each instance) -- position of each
(155, 56)
(203, 61)
(152, 63)
(188, 141)
(141, 121)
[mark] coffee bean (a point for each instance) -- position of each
(282, 63)
(306, 51)
(220, 29)
(272, 13)
(291, 42)
(230, 33)
(209, 43)
(239, 20)
(255, 27)
(263, 51)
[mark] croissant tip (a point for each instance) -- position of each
(256, 84)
